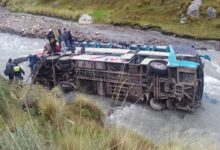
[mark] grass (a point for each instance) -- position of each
(4, 102)
(40, 119)
(137, 12)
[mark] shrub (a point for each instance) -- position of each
(122, 139)
(52, 110)
(49, 105)
(86, 109)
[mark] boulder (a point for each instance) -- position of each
(193, 9)
(211, 13)
(85, 19)
(183, 20)
(55, 4)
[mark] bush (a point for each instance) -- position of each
(84, 108)
(49, 105)
(122, 139)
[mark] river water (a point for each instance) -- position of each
(202, 126)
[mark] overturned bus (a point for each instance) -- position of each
(162, 76)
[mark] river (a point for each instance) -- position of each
(201, 126)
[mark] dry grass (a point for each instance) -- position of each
(4, 98)
(122, 139)
(42, 120)
(86, 109)
(52, 109)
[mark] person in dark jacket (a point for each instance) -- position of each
(50, 34)
(9, 70)
(70, 39)
(65, 38)
(33, 60)
(18, 71)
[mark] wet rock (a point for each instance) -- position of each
(85, 19)
(193, 9)
(211, 13)
(146, 27)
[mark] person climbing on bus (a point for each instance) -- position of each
(54, 45)
(33, 60)
(18, 71)
(9, 70)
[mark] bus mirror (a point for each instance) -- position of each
(207, 57)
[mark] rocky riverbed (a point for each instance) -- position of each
(38, 26)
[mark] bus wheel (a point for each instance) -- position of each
(158, 67)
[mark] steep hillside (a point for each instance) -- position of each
(164, 14)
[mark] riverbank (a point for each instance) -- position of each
(38, 26)
(162, 15)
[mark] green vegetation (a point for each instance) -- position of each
(163, 14)
(38, 119)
